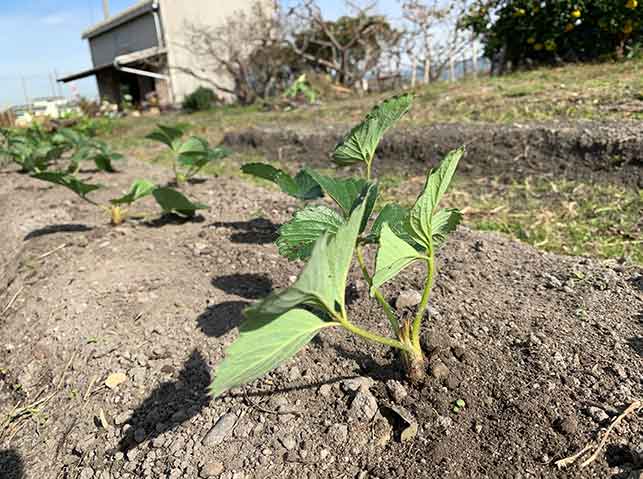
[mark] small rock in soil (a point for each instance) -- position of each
(287, 441)
(220, 430)
(325, 390)
(407, 299)
(338, 433)
(212, 469)
(598, 414)
(396, 390)
(294, 373)
(444, 422)
(568, 425)
(86, 473)
(364, 406)
(123, 417)
(353, 385)
(552, 281)
(439, 370)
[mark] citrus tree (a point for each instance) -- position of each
(530, 31)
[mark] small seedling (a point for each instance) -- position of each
(170, 201)
(301, 86)
(458, 406)
(284, 322)
(189, 156)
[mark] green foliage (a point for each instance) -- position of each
(302, 87)
(393, 256)
(139, 189)
(200, 99)
(79, 187)
(189, 156)
(264, 345)
(37, 150)
(172, 201)
(85, 148)
(302, 186)
(530, 31)
(360, 143)
(31, 148)
(298, 236)
(277, 327)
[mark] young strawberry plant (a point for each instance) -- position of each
(85, 148)
(170, 201)
(284, 322)
(30, 148)
(189, 157)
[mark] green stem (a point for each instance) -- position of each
(394, 343)
(395, 325)
(368, 170)
(417, 322)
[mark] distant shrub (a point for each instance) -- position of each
(200, 99)
(519, 32)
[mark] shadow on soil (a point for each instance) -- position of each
(53, 229)
(218, 319)
(255, 231)
(11, 465)
(190, 181)
(172, 219)
(170, 404)
(299, 387)
(248, 286)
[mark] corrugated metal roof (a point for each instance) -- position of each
(141, 8)
(121, 60)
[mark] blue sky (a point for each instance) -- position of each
(40, 37)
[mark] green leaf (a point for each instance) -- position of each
(393, 255)
(302, 186)
(68, 181)
(194, 145)
(322, 282)
(103, 161)
(361, 142)
(444, 222)
(421, 216)
(344, 192)
(172, 201)
(138, 190)
(169, 135)
(264, 345)
(298, 236)
(439, 180)
(396, 217)
(369, 197)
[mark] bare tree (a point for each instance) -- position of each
(439, 37)
(349, 48)
(245, 57)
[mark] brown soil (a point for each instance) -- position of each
(582, 150)
(543, 349)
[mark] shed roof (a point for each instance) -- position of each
(135, 11)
